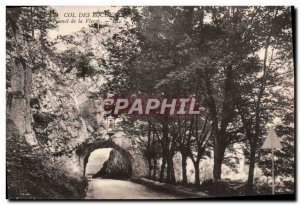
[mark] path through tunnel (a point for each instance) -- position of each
(105, 160)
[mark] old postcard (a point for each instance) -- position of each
(150, 102)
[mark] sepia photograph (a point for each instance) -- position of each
(150, 103)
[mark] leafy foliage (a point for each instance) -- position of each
(30, 177)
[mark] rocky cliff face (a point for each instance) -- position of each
(18, 109)
(34, 174)
(116, 167)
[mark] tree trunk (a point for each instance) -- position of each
(173, 179)
(162, 169)
(154, 169)
(197, 173)
(219, 151)
(169, 164)
(165, 149)
(170, 169)
(149, 151)
(183, 167)
(150, 168)
(251, 169)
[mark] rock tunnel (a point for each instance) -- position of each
(118, 166)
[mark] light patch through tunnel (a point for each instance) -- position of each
(96, 160)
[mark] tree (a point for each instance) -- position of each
(215, 57)
(274, 43)
(201, 134)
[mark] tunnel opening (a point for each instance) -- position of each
(105, 159)
(96, 160)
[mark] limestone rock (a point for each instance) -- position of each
(116, 167)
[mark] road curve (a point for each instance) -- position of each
(119, 189)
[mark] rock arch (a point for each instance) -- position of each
(84, 151)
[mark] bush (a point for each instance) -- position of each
(29, 178)
(216, 187)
